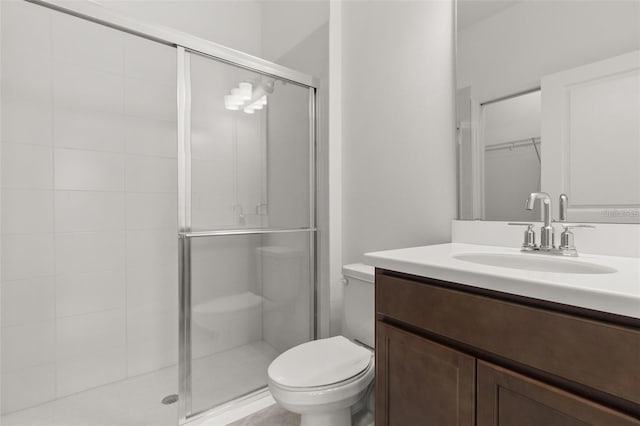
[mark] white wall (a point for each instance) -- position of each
(235, 24)
(286, 24)
(537, 38)
(399, 183)
(334, 292)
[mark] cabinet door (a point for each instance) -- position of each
(506, 398)
(420, 382)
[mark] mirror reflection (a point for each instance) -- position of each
(548, 100)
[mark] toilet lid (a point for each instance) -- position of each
(319, 363)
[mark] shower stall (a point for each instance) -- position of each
(158, 219)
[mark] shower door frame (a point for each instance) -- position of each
(186, 234)
(185, 43)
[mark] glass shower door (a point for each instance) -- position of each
(248, 228)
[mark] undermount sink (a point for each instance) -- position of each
(535, 262)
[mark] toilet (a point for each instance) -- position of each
(327, 381)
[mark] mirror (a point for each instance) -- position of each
(548, 99)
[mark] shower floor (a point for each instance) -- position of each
(137, 401)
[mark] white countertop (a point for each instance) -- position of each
(617, 292)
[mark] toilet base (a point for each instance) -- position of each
(332, 418)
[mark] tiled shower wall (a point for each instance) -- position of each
(89, 247)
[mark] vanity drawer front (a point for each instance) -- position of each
(599, 355)
(508, 398)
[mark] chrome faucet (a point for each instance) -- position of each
(546, 232)
(547, 237)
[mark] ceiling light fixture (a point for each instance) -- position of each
(242, 97)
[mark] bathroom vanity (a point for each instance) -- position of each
(473, 344)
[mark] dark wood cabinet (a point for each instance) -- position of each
(507, 398)
(424, 383)
(450, 354)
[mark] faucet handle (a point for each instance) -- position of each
(564, 205)
(529, 242)
(566, 246)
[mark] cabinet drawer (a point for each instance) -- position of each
(507, 398)
(596, 354)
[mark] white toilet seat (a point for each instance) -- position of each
(355, 377)
(326, 398)
(319, 363)
(322, 380)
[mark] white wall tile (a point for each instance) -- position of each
(25, 46)
(150, 136)
(213, 194)
(89, 252)
(214, 177)
(78, 211)
(40, 415)
(90, 350)
(27, 387)
(28, 345)
(88, 170)
(86, 89)
(146, 97)
(105, 366)
(25, 256)
(151, 248)
(84, 335)
(93, 292)
(26, 71)
(28, 83)
(27, 166)
(146, 59)
(212, 140)
(88, 129)
(59, 88)
(76, 43)
(28, 301)
(152, 211)
(152, 339)
(152, 318)
(27, 211)
(26, 121)
(151, 174)
(152, 287)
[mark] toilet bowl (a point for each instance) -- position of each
(322, 380)
(328, 380)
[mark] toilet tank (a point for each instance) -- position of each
(358, 304)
